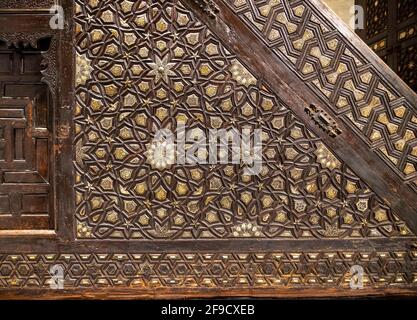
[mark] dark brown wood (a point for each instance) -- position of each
(396, 43)
(212, 293)
(351, 149)
(148, 268)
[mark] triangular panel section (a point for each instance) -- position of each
(161, 67)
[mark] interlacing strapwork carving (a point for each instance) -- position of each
(382, 269)
(331, 66)
(406, 9)
(142, 67)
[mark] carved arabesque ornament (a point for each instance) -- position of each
(166, 67)
(210, 270)
(310, 45)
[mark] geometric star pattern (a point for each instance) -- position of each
(279, 270)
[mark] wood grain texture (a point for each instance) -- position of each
(100, 267)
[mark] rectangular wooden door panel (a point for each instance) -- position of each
(24, 165)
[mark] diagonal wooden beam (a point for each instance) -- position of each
(240, 39)
(372, 57)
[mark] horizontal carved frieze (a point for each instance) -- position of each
(330, 269)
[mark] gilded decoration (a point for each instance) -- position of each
(146, 66)
(303, 39)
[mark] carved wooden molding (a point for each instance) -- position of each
(226, 270)
(50, 62)
(24, 39)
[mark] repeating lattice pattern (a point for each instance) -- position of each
(407, 66)
(211, 270)
(303, 191)
(406, 9)
(376, 17)
(142, 67)
(340, 75)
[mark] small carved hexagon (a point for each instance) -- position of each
(126, 133)
(106, 123)
(193, 207)
(247, 110)
(331, 192)
(141, 188)
(267, 201)
(107, 183)
(362, 205)
(193, 100)
(112, 217)
(107, 16)
(130, 206)
(226, 202)
(271, 153)
(116, 70)
(161, 113)
(120, 153)
(144, 220)
(348, 218)
(96, 203)
(215, 183)
(6, 269)
(143, 52)
(246, 197)
(278, 122)
(141, 119)
(281, 217)
(126, 173)
(300, 205)
(161, 213)
(129, 100)
(162, 25)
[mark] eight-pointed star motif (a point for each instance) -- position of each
(161, 69)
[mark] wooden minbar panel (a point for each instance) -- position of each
(79, 108)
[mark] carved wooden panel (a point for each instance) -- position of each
(129, 86)
(131, 221)
(25, 138)
(339, 75)
(188, 270)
